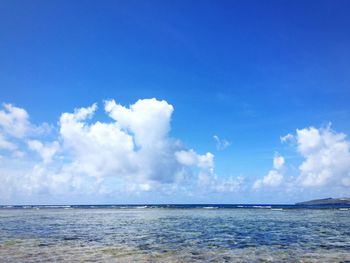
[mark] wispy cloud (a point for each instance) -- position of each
(221, 144)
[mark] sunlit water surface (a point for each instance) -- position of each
(174, 235)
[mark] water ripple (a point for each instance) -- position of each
(174, 235)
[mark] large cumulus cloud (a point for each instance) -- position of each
(326, 157)
(132, 149)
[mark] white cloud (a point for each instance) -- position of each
(221, 144)
(14, 121)
(18, 154)
(287, 138)
(97, 149)
(326, 163)
(133, 151)
(274, 178)
(209, 182)
(46, 151)
(5, 144)
(15, 127)
(327, 157)
(191, 158)
(278, 162)
(13, 124)
(148, 120)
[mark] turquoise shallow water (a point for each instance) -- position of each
(130, 234)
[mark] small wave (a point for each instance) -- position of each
(262, 206)
(56, 206)
(141, 207)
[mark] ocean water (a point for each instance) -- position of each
(174, 234)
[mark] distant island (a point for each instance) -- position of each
(327, 201)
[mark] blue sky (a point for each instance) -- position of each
(248, 72)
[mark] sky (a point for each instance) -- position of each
(120, 102)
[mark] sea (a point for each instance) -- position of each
(175, 233)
